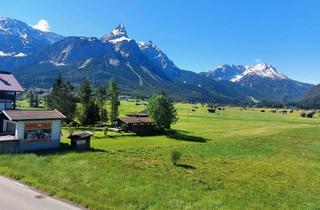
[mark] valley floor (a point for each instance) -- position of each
(231, 160)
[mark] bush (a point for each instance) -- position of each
(175, 157)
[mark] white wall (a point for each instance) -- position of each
(19, 130)
(56, 130)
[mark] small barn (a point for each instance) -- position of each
(303, 114)
(283, 111)
(310, 114)
(138, 123)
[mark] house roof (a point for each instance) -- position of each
(136, 120)
(9, 83)
(139, 114)
(21, 115)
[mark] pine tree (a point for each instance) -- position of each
(85, 93)
(36, 100)
(31, 99)
(101, 98)
(90, 110)
(62, 98)
(114, 92)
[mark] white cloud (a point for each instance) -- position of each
(42, 25)
(258, 60)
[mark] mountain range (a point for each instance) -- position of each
(140, 68)
(266, 81)
(311, 98)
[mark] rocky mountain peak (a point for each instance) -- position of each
(117, 33)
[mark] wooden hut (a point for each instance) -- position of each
(310, 114)
(303, 114)
(81, 141)
(283, 111)
(137, 123)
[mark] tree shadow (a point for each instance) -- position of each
(184, 136)
(114, 136)
(186, 166)
(64, 149)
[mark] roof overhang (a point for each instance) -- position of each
(31, 115)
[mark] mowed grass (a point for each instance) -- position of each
(230, 160)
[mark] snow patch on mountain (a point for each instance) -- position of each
(158, 58)
(17, 55)
(260, 70)
(121, 39)
(114, 62)
(55, 63)
(118, 32)
(236, 73)
(138, 75)
(149, 73)
(85, 63)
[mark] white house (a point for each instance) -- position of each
(25, 130)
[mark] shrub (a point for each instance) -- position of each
(175, 157)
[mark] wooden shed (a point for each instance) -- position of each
(81, 141)
(138, 123)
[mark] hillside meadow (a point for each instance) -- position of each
(231, 159)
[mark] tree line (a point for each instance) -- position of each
(93, 108)
(101, 105)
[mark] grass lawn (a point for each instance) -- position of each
(230, 160)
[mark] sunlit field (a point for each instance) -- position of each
(232, 159)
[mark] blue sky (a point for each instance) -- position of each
(196, 35)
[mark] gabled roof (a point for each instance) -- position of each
(138, 114)
(136, 120)
(9, 83)
(21, 115)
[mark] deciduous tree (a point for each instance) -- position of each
(161, 109)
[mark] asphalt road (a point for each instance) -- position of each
(16, 196)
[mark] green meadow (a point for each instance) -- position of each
(231, 159)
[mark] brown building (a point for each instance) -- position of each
(137, 123)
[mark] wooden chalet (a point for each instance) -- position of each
(137, 123)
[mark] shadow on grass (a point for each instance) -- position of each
(64, 149)
(184, 136)
(115, 136)
(185, 166)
